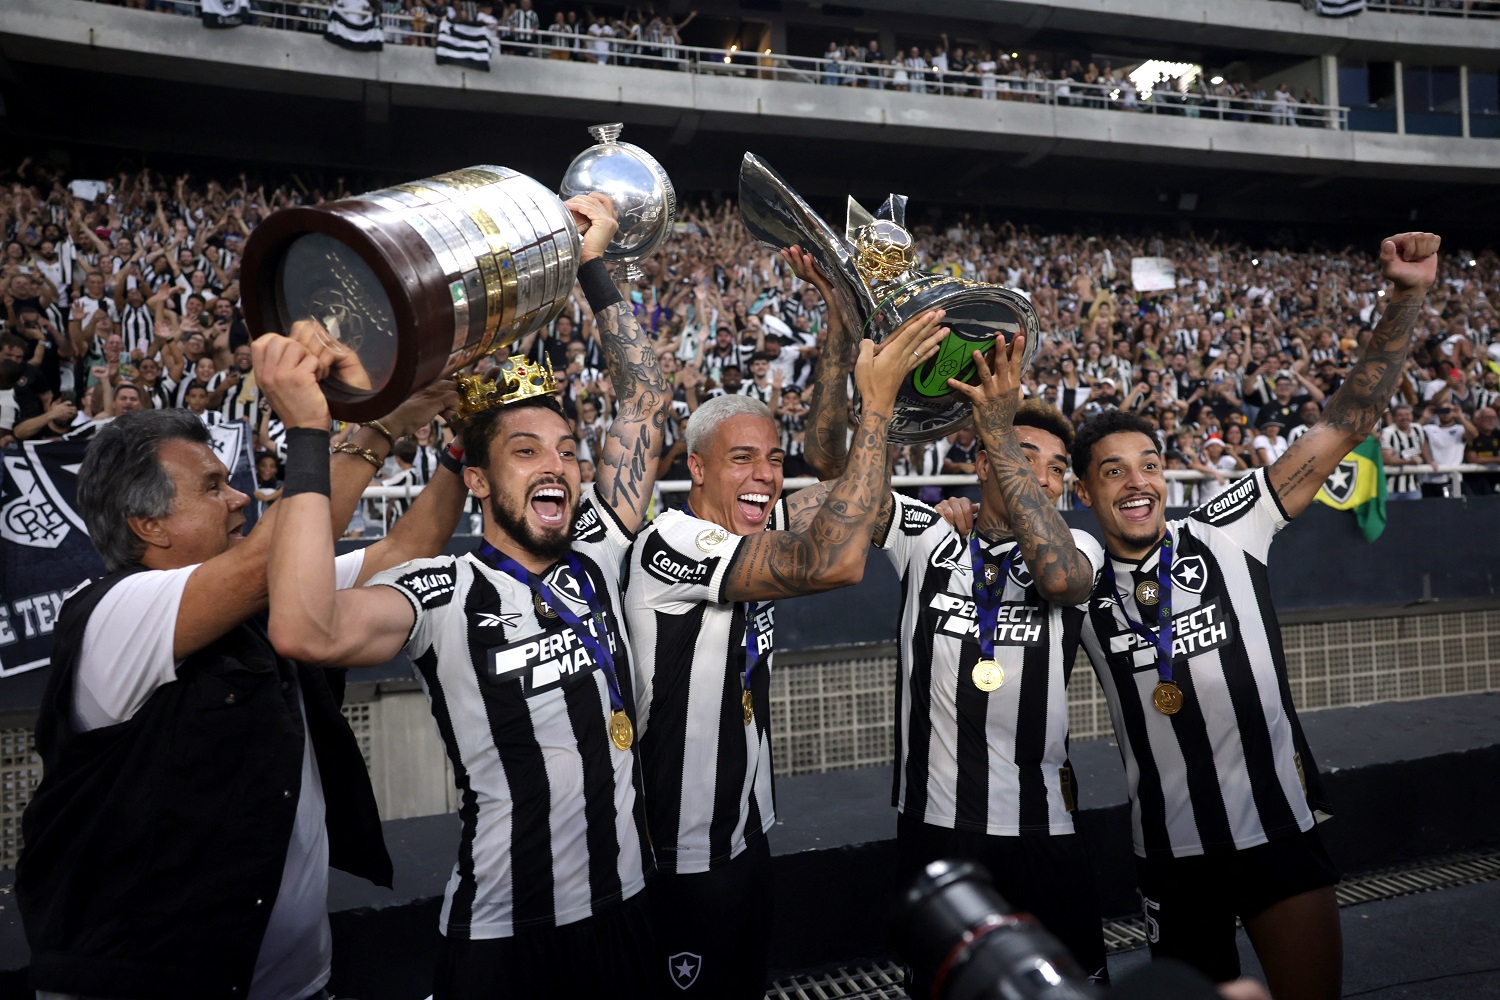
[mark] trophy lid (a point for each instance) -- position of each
(644, 199)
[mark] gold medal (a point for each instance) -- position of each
(1147, 592)
(988, 676)
(1167, 697)
(991, 574)
(543, 609)
(620, 729)
(747, 706)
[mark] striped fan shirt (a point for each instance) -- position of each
(553, 829)
(986, 762)
(709, 790)
(137, 328)
(1231, 769)
(1406, 444)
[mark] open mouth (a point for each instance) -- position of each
(1138, 509)
(550, 504)
(753, 506)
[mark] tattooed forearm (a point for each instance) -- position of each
(626, 465)
(1372, 382)
(1062, 573)
(831, 551)
(826, 445)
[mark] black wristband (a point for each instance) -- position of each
(447, 461)
(306, 462)
(598, 287)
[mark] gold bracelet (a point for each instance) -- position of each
(379, 428)
(350, 448)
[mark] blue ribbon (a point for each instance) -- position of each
(1162, 640)
(597, 646)
(752, 640)
(987, 596)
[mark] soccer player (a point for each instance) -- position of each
(989, 632)
(1183, 636)
(522, 648)
(699, 605)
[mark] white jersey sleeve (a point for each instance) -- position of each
(685, 560)
(1248, 514)
(917, 532)
(127, 643)
(1092, 551)
(428, 584)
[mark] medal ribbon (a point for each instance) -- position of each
(597, 646)
(987, 596)
(1162, 640)
(752, 641)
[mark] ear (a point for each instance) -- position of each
(982, 466)
(695, 469)
(151, 530)
(1081, 490)
(477, 481)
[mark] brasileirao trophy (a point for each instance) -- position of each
(421, 278)
(873, 269)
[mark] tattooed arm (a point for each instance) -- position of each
(1062, 573)
(830, 552)
(627, 462)
(1409, 262)
(826, 446)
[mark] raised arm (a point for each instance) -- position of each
(831, 552)
(1062, 573)
(826, 445)
(627, 464)
(1409, 262)
(311, 620)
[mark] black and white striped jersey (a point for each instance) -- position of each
(1231, 769)
(137, 328)
(986, 762)
(1405, 444)
(553, 829)
(708, 777)
(240, 402)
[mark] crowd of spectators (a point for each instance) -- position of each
(124, 293)
(645, 38)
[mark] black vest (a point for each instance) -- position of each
(154, 848)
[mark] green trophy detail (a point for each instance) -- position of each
(954, 359)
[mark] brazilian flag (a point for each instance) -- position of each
(1358, 484)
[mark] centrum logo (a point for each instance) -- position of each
(954, 359)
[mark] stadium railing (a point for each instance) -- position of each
(675, 486)
(402, 29)
(1433, 8)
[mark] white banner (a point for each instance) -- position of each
(1152, 274)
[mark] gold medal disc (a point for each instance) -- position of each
(747, 707)
(1147, 592)
(620, 730)
(1167, 697)
(988, 676)
(543, 609)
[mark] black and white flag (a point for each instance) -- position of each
(352, 25)
(466, 45)
(45, 552)
(1335, 8)
(226, 13)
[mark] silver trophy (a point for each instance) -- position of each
(645, 202)
(420, 278)
(873, 268)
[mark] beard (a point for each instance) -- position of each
(549, 544)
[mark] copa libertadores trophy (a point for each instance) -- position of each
(421, 278)
(873, 268)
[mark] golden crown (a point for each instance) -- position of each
(515, 380)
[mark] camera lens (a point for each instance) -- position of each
(964, 943)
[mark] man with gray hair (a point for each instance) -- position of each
(197, 785)
(698, 607)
